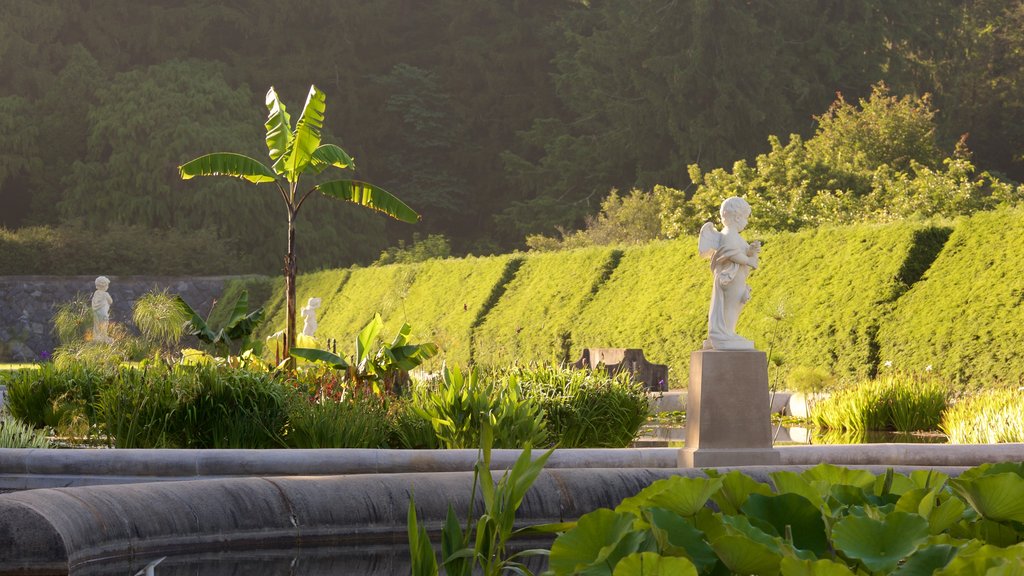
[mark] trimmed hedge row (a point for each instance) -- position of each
(834, 298)
(965, 319)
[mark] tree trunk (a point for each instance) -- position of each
(290, 270)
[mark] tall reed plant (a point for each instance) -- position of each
(356, 421)
(901, 402)
(47, 395)
(584, 408)
(987, 417)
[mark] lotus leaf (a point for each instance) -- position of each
(798, 567)
(743, 555)
(997, 496)
(599, 540)
(736, 488)
(684, 496)
(676, 536)
(653, 564)
(879, 545)
(927, 560)
(792, 510)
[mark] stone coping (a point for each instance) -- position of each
(62, 530)
(22, 469)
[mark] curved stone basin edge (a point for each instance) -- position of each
(61, 530)
(22, 469)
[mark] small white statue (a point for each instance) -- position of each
(731, 261)
(309, 313)
(101, 302)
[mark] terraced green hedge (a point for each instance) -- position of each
(655, 299)
(965, 318)
(835, 287)
(533, 320)
(445, 301)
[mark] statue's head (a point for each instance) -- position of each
(313, 303)
(734, 211)
(102, 283)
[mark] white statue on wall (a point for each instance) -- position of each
(309, 313)
(731, 261)
(101, 302)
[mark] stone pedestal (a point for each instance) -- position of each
(728, 417)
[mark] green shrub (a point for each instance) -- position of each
(47, 395)
(410, 428)
(16, 434)
(583, 408)
(894, 402)
(534, 318)
(986, 417)
(142, 410)
(964, 318)
(457, 404)
(357, 421)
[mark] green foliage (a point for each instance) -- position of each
(878, 162)
(160, 317)
(633, 218)
(234, 328)
(359, 421)
(16, 434)
(117, 249)
(894, 402)
(459, 405)
(974, 338)
(534, 318)
(824, 521)
(985, 417)
(447, 298)
(72, 319)
(433, 247)
(38, 397)
(490, 533)
(583, 408)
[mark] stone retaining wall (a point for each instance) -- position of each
(27, 304)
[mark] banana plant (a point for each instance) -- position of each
(384, 368)
(295, 152)
(239, 326)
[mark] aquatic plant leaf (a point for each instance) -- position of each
(997, 497)
(743, 555)
(834, 475)
(799, 567)
(653, 564)
(675, 534)
(927, 560)
(795, 511)
(684, 496)
(879, 545)
(787, 482)
(978, 561)
(736, 488)
(599, 540)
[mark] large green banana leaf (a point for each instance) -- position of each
(331, 155)
(227, 164)
(279, 127)
(306, 138)
(370, 196)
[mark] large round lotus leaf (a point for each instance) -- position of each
(998, 497)
(993, 468)
(978, 561)
(795, 511)
(599, 540)
(676, 535)
(837, 475)
(927, 560)
(736, 488)
(798, 567)
(742, 555)
(790, 482)
(684, 496)
(653, 564)
(880, 545)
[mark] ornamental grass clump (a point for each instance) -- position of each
(898, 402)
(987, 417)
(584, 408)
(44, 396)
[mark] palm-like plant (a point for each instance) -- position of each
(295, 152)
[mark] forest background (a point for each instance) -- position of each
(497, 120)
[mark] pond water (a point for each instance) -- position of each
(675, 436)
(362, 560)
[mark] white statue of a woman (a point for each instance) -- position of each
(309, 313)
(101, 302)
(731, 261)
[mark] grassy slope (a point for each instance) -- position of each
(366, 292)
(534, 317)
(965, 318)
(445, 301)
